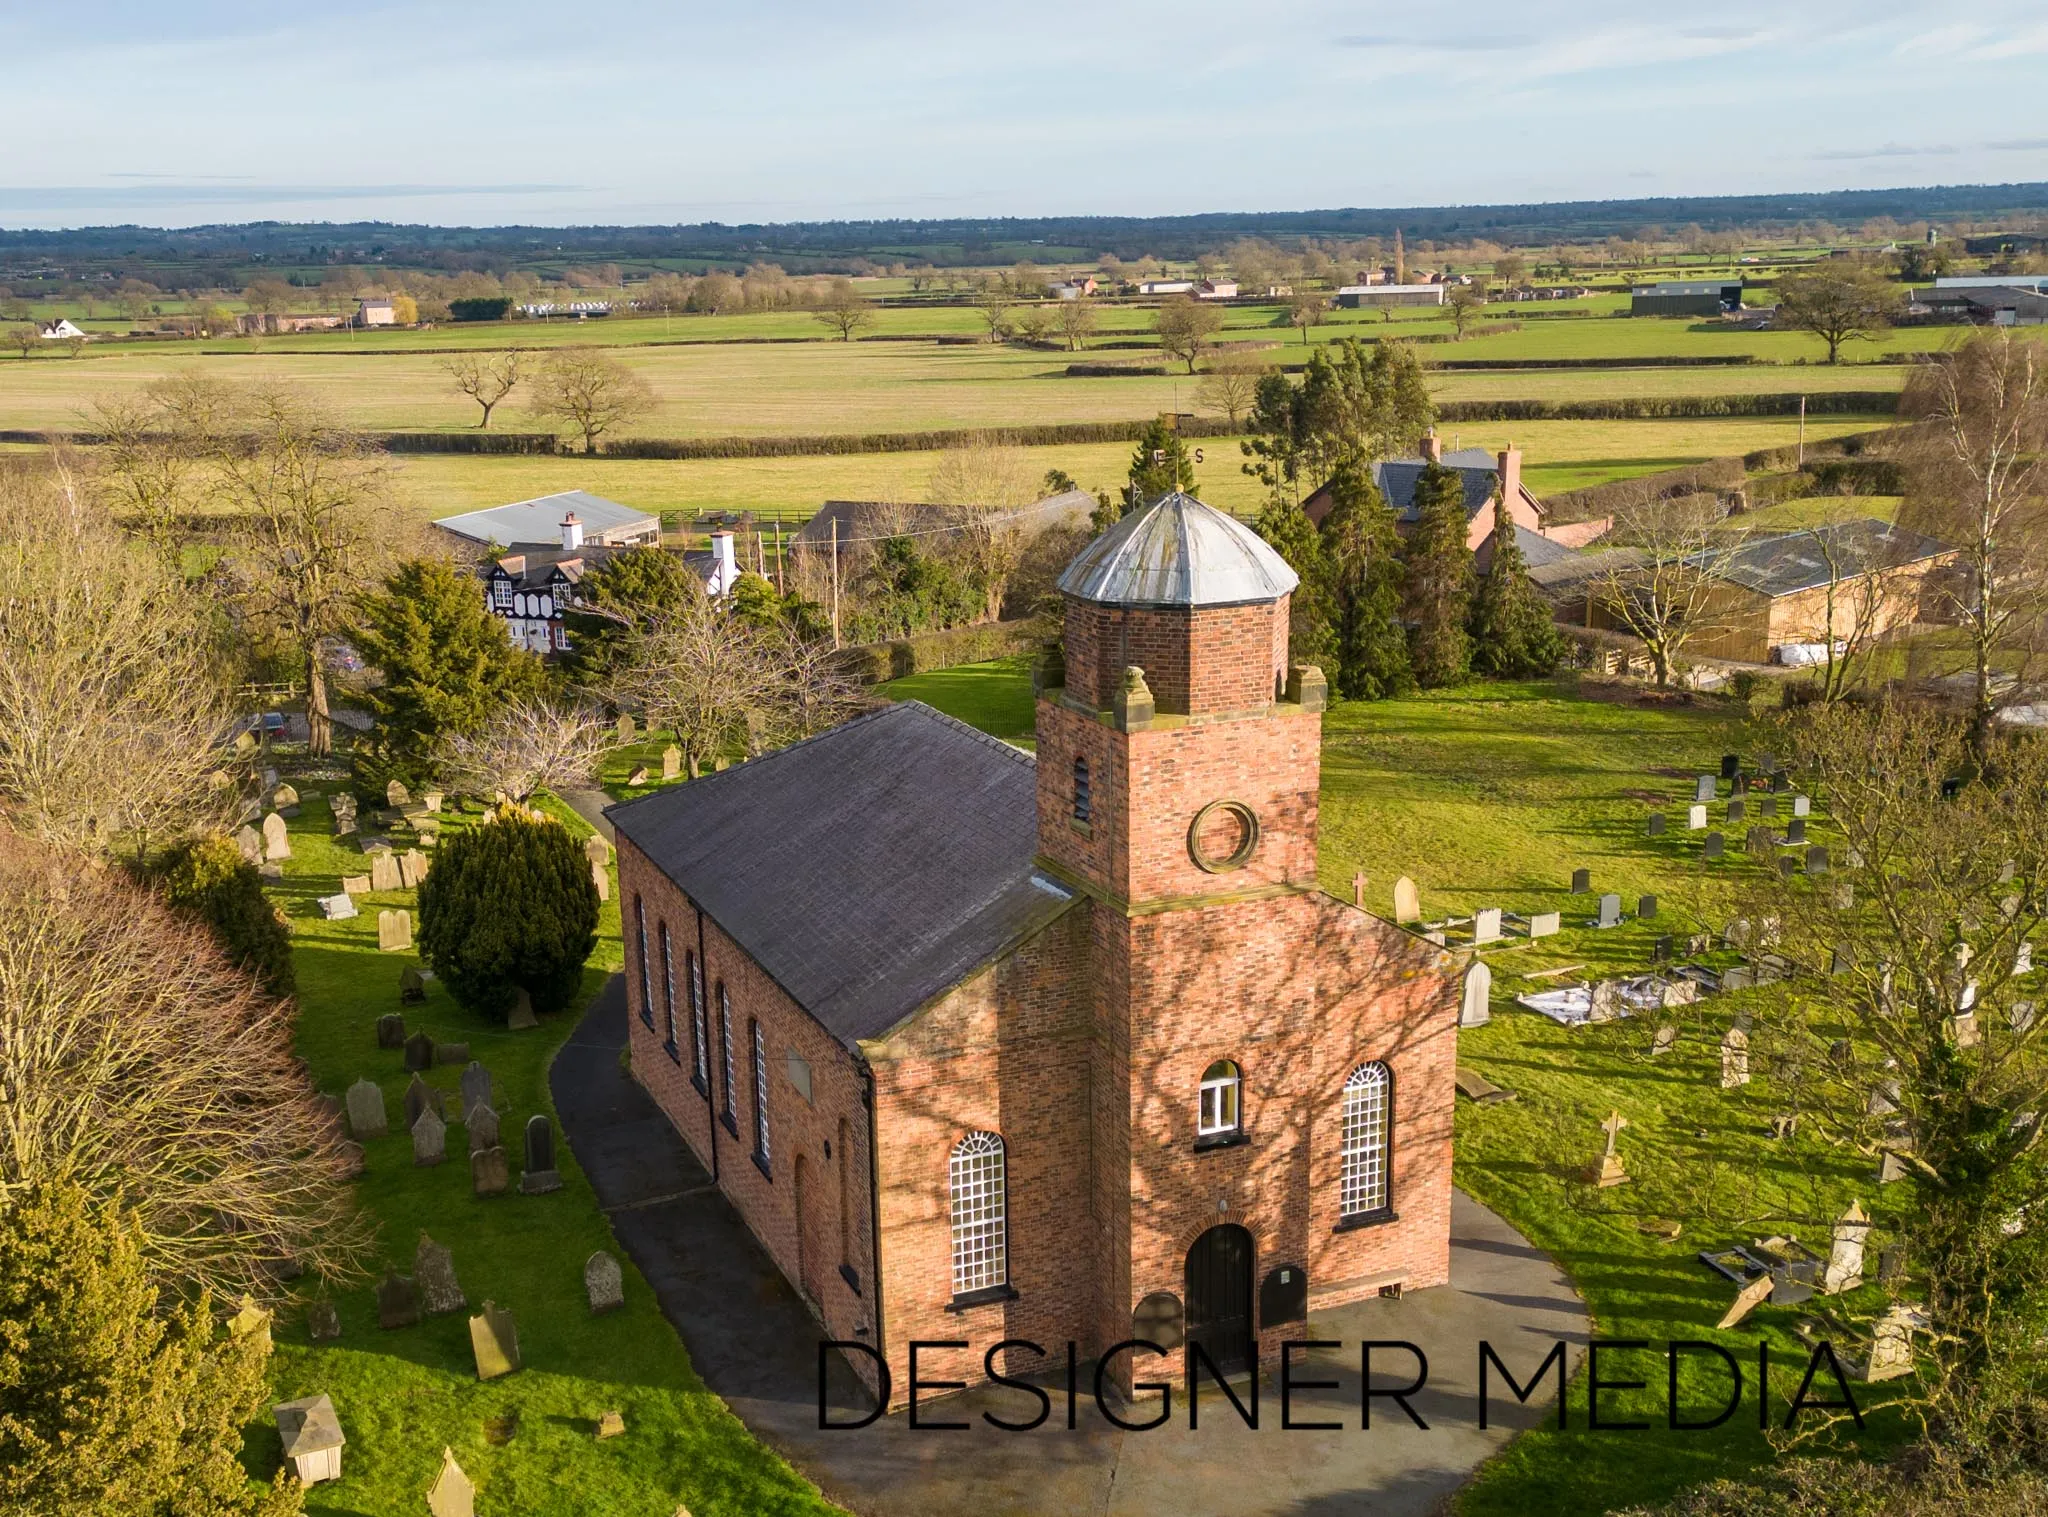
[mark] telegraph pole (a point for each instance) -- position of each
(835, 581)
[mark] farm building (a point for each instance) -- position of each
(1167, 287)
(1686, 297)
(869, 521)
(543, 522)
(377, 311)
(1482, 474)
(1999, 305)
(275, 323)
(1216, 289)
(985, 1045)
(1355, 297)
(58, 330)
(1072, 289)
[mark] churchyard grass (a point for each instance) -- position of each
(1490, 795)
(527, 1439)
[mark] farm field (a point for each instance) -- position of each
(1559, 455)
(1491, 795)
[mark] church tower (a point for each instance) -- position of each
(1178, 769)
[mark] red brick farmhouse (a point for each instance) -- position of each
(984, 1046)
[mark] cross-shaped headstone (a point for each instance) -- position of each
(1612, 1127)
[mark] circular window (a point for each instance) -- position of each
(1223, 836)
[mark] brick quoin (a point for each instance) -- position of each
(1083, 1046)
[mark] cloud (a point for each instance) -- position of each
(1486, 44)
(1965, 42)
(2019, 145)
(68, 196)
(1889, 150)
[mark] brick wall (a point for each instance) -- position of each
(1196, 662)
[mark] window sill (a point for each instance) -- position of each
(1086, 829)
(1366, 1219)
(988, 1296)
(647, 1020)
(702, 1089)
(675, 1054)
(846, 1273)
(725, 1120)
(762, 1165)
(1216, 1140)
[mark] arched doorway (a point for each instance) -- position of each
(1219, 1297)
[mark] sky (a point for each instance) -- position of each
(207, 111)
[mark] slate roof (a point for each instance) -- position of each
(866, 869)
(1795, 561)
(1538, 551)
(1477, 469)
(862, 520)
(540, 520)
(1178, 552)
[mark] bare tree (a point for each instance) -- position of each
(1465, 302)
(25, 338)
(704, 676)
(589, 391)
(1837, 301)
(532, 743)
(1656, 581)
(1860, 600)
(993, 302)
(1306, 309)
(845, 310)
(1077, 319)
(271, 297)
(1185, 327)
(813, 691)
(1230, 386)
(113, 715)
(139, 1062)
(153, 450)
(487, 378)
(988, 481)
(1975, 454)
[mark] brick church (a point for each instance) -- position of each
(1068, 1048)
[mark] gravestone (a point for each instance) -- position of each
(355, 884)
(337, 908)
(1695, 818)
(2020, 1017)
(391, 1030)
(1788, 866)
(1656, 824)
(1891, 1168)
(1737, 977)
(1781, 783)
(494, 1340)
(601, 882)
(1795, 830)
(1610, 911)
(433, 1270)
(1473, 1007)
(451, 1053)
(1840, 960)
(432, 800)
(1817, 859)
(1704, 787)
(323, 1322)
(1407, 901)
(1802, 805)
(476, 1088)
(1731, 765)
(420, 1097)
(1646, 908)
(1486, 925)
(352, 1165)
(1845, 1259)
(603, 1283)
(1734, 1058)
(1767, 808)
(345, 824)
(1665, 1039)
(611, 1425)
(451, 1494)
(1605, 1005)
(490, 1172)
(1963, 1028)
(1582, 881)
(1610, 1172)
(638, 776)
(481, 1122)
(1747, 1300)
(671, 762)
(419, 1053)
(595, 851)
(394, 931)
(1738, 810)
(522, 1017)
(1760, 841)
(1545, 923)
(1715, 845)
(249, 844)
(395, 794)
(277, 842)
(625, 728)
(412, 986)
(412, 868)
(1784, 1125)
(540, 1175)
(1891, 1347)
(283, 796)
(398, 1302)
(429, 1140)
(1891, 1265)
(1660, 951)
(2023, 959)
(272, 874)
(366, 1110)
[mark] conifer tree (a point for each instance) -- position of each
(1160, 462)
(1513, 635)
(1311, 630)
(1439, 588)
(1362, 550)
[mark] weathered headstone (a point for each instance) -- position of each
(1666, 1037)
(249, 843)
(1582, 881)
(451, 1053)
(1610, 911)
(540, 1175)
(433, 1270)
(1704, 787)
(522, 1017)
(1747, 1300)
(1891, 1265)
(394, 931)
(1845, 1259)
(252, 1322)
(490, 1172)
(352, 1164)
(476, 1088)
(1605, 1002)
(1407, 901)
(323, 1322)
(1486, 925)
(594, 849)
(384, 873)
(494, 1339)
(1891, 1347)
(412, 986)
(1473, 1007)
(671, 762)
(1817, 859)
(1738, 811)
(419, 1052)
(283, 796)
(2020, 1016)
(1795, 830)
(1767, 808)
(481, 1123)
(429, 1140)
(366, 1110)
(1734, 1058)
(1609, 1172)
(1714, 846)
(625, 727)
(1788, 866)
(422, 1097)
(601, 882)
(277, 842)
(638, 776)
(1646, 908)
(1731, 765)
(398, 1302)
(1544, 924)
(1781, 783)
(451, 1494)
(355, 884)
(611, 1425)
(1656, 824)
(1660, 951)
(603, 1283)
(1695, 818)
(395, 794)
(1891, 1168)
(432, 800)
(2023, 959)
(1802, 805)
(1964, 1029)
(1784, 1125)
(1760, 841)
(338, 908)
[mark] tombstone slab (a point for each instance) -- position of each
(1582, 881)
(494, 1340)
(1891, 1347)
(451, 1053)
(277, 841)
(398, 1302)
(412, 985)
(1665, 1040)
(1609, 1171)
(481, 1123)
(540, 1175)
(1747, 1300)
(601, 882)
(384, 872)
(1610, 911)
(419, 1053)
(323, 1322)
(1407, 901)
(490, 1172)
(429, 1140)
(611, 1425)
(338, 908)
(431, 800)
(595, 851)
(671, 762)
(1704, 787)
(412, 868)
(476, 1088)
(1695, 818)
(1656, 824)
(451, 1494)
(420, 1097)
(603, 1283)
(1646, 908)
(1545, 923)
(1734, 1058)
(1731, 765)
(1715, 846)
(394, 931)
(1738, 811)
(625, 728)
(395, 794)
(1486, 925)
(1473, 1007)
(1845, 1259)
(433, 1270)
(638, 776)
(366, 1117)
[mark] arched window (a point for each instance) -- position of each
(845, 1202)
(700, 1043)
(725, 1049)
(1368, 1106)
(760, 1052)
(980, 1206)
(1217, 1115)
(668, 993)
(1084, 800)
(640, 939)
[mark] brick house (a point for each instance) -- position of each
(1065, 1048)
(1486, 477)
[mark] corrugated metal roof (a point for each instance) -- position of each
(864, 520)
(1796, 561)
(540, 520)
(1178, 552)
(866, 869)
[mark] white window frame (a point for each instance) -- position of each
(668, 988)
(725, 1047)
(1219, 1107)
(640, 937)
(1365, 1184)
(760, 1093)
(700, 1038)
(978, 1202)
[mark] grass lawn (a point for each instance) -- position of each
(527, 1439)
(1492, 795)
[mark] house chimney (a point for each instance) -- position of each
(725, 569)
(1510, 461)
(572, 533)
(1432, 447)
